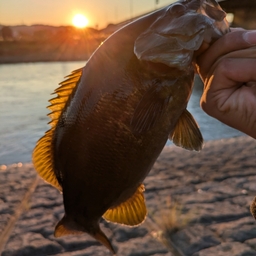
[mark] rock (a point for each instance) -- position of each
(216, 212)
(76, 242)
(251, 243)
(194, 238)
(4, 208)
(26, 224)
(31, 244)
(123, 234)
(92, 250)
(227, 249)
(142, 246)
(239, 230)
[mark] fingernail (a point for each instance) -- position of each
(250, 37)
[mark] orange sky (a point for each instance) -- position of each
(61, 12)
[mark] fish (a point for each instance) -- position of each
(111, 119)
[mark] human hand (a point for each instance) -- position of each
(228, 70)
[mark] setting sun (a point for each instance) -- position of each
(80, 21)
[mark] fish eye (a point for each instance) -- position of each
(177, 9)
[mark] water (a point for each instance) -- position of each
(24, 93)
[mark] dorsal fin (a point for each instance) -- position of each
(63, 92)
(42, 154)
(132, 212)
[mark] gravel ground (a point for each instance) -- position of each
(198, 205)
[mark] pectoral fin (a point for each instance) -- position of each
(148, 111)
(186, 133)
(131, 213)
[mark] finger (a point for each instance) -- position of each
(233, 41)
(248, 53)
(234, 71)
(229, 75)
(244, 53)
(237, 29)
(251, 84)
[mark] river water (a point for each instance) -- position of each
(24, 93)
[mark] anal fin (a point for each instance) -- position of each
(131, 212)
(186, 133)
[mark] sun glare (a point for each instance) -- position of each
(80, 21)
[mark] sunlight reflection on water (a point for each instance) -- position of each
(25, 91)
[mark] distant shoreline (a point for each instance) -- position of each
(14, 60)
(49, 51)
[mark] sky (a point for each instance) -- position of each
(60, 12)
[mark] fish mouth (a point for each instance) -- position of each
(172, 51)
(181, 30)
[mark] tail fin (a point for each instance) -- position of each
(67, 226)
(102, 238)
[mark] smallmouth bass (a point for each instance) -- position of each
(111, 119)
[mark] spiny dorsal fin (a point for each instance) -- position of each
(42, 154)
(132, 212)
(63, 92)
(186, 133)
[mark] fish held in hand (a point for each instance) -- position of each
(111, 119)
